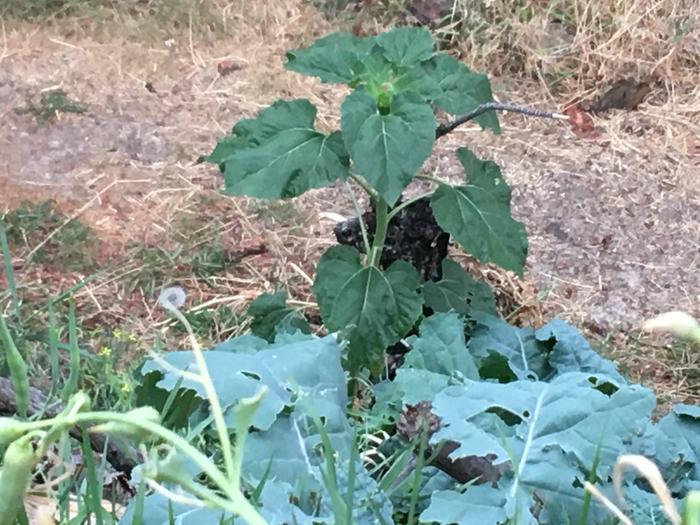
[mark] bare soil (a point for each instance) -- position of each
(614, 223)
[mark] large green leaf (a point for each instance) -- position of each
(335, 58)
(304, 380)
(387, 149)
(644, 508)
(406, 46)
(525, 355)
(373, 309)
(563, 426)
(441, 347)
(280, 154)
(409, 387)
(276, 497)
(245, 133)
(304, 364)
(272, 316)
(478, 215)
(478, 504)
(157, 509)
(676, 446)
(342, 57)
(461, 90)
(458, 291)
(570, 352)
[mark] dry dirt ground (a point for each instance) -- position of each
(614, 222)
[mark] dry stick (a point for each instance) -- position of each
(444, 129)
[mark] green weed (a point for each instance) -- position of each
(51, 104)
(64, 243)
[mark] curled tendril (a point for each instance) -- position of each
(172, 298)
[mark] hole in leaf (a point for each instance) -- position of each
(495, 366)
(251, 375)
(508, 418)
(604, 387)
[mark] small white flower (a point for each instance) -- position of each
(172, 298)
(679, 324)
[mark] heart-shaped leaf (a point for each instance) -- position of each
(458, 291)
(387, 149)
(280, 154)
(373, 309)
(407, 45)
(461, 90)
(335, 58)
(271, 316)
(477, 214)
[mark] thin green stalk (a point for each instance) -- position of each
(9, 272)
(94, 489)
(418, 474)
(329, 474)
(358, 212)
(592, 476)
(243, 413)
(239, 504)
(176, 440)
(349, 497)
(436, 180)
(365, 186)
(71, 385)
(139, 502)
(213, 398)
(382, 224)
(407, 203)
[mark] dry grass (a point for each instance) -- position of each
(133, 196)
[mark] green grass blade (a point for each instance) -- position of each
(18, 369)
(257, 492)
(417, 478)
(171, 514)
(94, 487)
(349, 497)
(9, 272)
(137, 518)
(53, 352)
(74, 362)
(397, 462)
(592, 476)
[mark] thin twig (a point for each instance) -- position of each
(444, 129)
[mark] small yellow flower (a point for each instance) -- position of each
(126, 388)
(105, 351)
